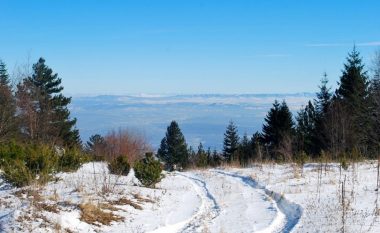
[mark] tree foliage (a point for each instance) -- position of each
(43, 108)
(148, 170)
(278, 127)
(8, 124)
(173, 148)
(230, 142)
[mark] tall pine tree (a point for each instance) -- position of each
(375, 106)
(173, 148)
(322, 106)
(278, 126)
(8, 127)
(306, 130)
(44, 93)
(245, 150)
(230, 142)
(353, 94)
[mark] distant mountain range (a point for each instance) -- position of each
(202, 118)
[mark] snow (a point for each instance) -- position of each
(262, 198)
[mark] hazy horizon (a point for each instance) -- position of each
(202, 118)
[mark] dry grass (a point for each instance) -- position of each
(142, 199)
(125, 201)
(46, 207)
(110, 207)
(94, 215)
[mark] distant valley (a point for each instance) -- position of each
(202, 118)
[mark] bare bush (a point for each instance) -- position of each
(127, 143)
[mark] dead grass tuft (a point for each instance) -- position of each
(46, 207)
(125, 201)
(92, 214)
(139, 198)
(106, 206)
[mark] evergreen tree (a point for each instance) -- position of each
(231, 142)
(96, 145)
(322, 103)
(353, 86)
(256, 146)
(43, 92)
(278, 125)
(216, 158)
(4, 77)
(245, 150)
(173, 148)
(201, 156)
(8, 127)
(306, 129)
(353, 94)
(322, 106)
(210, 159)
(374, 133)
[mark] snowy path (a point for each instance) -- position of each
(207, 210)
(288, 214)
(213, 200)
(234, 203)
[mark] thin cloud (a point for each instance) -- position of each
(362, 44)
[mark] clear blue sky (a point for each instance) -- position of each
(193, 46)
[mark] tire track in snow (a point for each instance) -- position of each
(209, 208)
(288, 213)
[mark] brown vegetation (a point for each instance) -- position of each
(126, 143)
(94, 215)
(125, 201)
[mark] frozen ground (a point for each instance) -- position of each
(265, 198)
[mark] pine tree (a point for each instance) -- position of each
(231, 142)
(353, 93)
(210, 159)
(245, 150)
(96, 146)
(201, 156)
(53, 123)
(278, 126)
(215, 158)
(322, 103)
(374, 133)
(353, 86)
(4, 77)
(322, 107)
(306, 130)
(173, 148)
(8, 127)
(256, 146)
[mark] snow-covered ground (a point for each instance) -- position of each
(265, 198)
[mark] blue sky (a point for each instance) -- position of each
(197, 46)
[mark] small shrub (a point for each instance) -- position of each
(40, 158)
(71, 160)
(10, 150)
(17, 173)
(22, 163)
(148, 170)
(119, 166)
(343, 162)
(300, 158)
